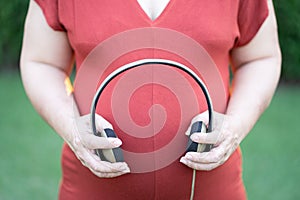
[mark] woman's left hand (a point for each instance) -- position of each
(225, 136)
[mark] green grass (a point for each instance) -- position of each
(30, 150)
(271, 151)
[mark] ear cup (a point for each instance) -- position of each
(197, 127)
(111, 155)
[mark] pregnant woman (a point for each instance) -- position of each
(151, 107)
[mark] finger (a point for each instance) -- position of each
(95, 142)
(102, 123)
(205, 164)
(205, 157)
(206, 138)
(92, 161)
(107, 167)
(96, 165)
(199, 166)
(200, 117)
(109, 175)
(116, 167)
(217, 155)
(83, 123)
(225, 148)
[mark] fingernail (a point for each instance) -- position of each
(182, 160)
(117, 142)
(195, 137)
(122, 166)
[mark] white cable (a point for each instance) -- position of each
(193, 185)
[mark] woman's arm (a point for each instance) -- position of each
(46, 62)
(256, 69)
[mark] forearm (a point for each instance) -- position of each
(254, 84)
(44, 85)
(256, 68)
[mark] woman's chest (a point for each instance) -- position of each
(212, 24)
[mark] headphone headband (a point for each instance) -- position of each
(147, 62)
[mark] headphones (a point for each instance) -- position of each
(116, 155)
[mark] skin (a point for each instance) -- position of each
(256, 69)
(153, 8)
(47, 60)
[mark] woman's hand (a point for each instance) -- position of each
(225, 137)
(83, 143)
(256, 71)
(50, 56)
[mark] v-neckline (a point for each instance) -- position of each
(147, 18)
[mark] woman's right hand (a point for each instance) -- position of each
(47, 59)
(83, 143)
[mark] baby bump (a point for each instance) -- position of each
(150, 108)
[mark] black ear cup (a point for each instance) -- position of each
(111, 155)
(197, 127)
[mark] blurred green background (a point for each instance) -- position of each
(30, 150)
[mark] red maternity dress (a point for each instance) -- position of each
(106, 34)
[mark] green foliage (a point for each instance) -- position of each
(288, 19)
(12, 17)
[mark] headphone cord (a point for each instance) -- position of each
(193, 185)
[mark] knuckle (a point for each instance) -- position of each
(94, 167)
(222, 161)
(193, 166)
(76, 143)
(213, 137)
(220, 155)
(79, 155)
(216, 158)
